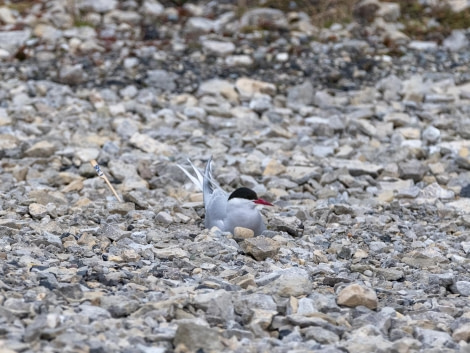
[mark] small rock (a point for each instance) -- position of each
(161, 79)
(300, 95)
(431, 135)
(456, 41)
(6, 16)
(152, 8)
(41, 149)
(196, 336)
(150, 145)
(112, 231)
(170, 253)
(462, 333)
(432, 338)
(248, 87)
(100, 6)
(222, 87)
(274, 167)
(321, 335)
(37, 210)
(218, 48)
(365, 10)
(291, 225)
(356, 167)
(122, 208)
(261, 247)
(130, 255)
(354, 295)
(262, 17)
(71, 292)
(72, 74)
(11, 41)
(260, 103)
(164, 217)
(462, 288)
(199, 25)
(413, 169)
(238, 60)
(118, 305)
(293, 282)
(240, 233)
(87, 154)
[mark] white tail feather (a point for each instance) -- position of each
(198, 180)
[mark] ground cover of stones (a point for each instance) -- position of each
(364, 153)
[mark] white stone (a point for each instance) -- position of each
(239, 60)
(218, 48)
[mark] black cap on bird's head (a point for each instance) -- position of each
(248, 194)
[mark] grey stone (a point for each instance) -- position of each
(462, 288)
(320, 335)
(119, 306)
(413, 169)
(199, 25)
(261, 16)
(72, 74)
(152, 8)
(356, 168)
(164, 217)
(261, 247)
(301, 95)
(456, 41)
(94, 312)
(431, 135)
(260, 103)
(217, 305)
(239, 60)
(100, 6)
(11, 41)
(291, 282)
(422, 45)
(37, 210)
(432, 338)
(161, 79)
(195, 336)
(245, 302)
(218, 48)
(112, 231)
(44, 326)
(354, 295)
(71, 292)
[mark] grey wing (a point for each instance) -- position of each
(216, 209)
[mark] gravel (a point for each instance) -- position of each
(364, 154)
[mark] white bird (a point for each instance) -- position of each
(227, 211)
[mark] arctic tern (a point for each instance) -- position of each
(227, 211)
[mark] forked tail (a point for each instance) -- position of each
(208, 182)
(205, 182)
(198, 180)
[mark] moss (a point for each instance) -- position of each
(415, 17)
(82, 23)
(19, 5)
(323, 12)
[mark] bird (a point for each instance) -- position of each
(227, 211)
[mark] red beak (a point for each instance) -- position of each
(263, 202)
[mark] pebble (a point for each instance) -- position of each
(260, 247)
(195, 336)
(354, 295)
(218, 48)
(41, 149)
(37, 210)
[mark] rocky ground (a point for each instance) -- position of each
(358, 133)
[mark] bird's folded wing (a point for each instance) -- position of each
(216, 209)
